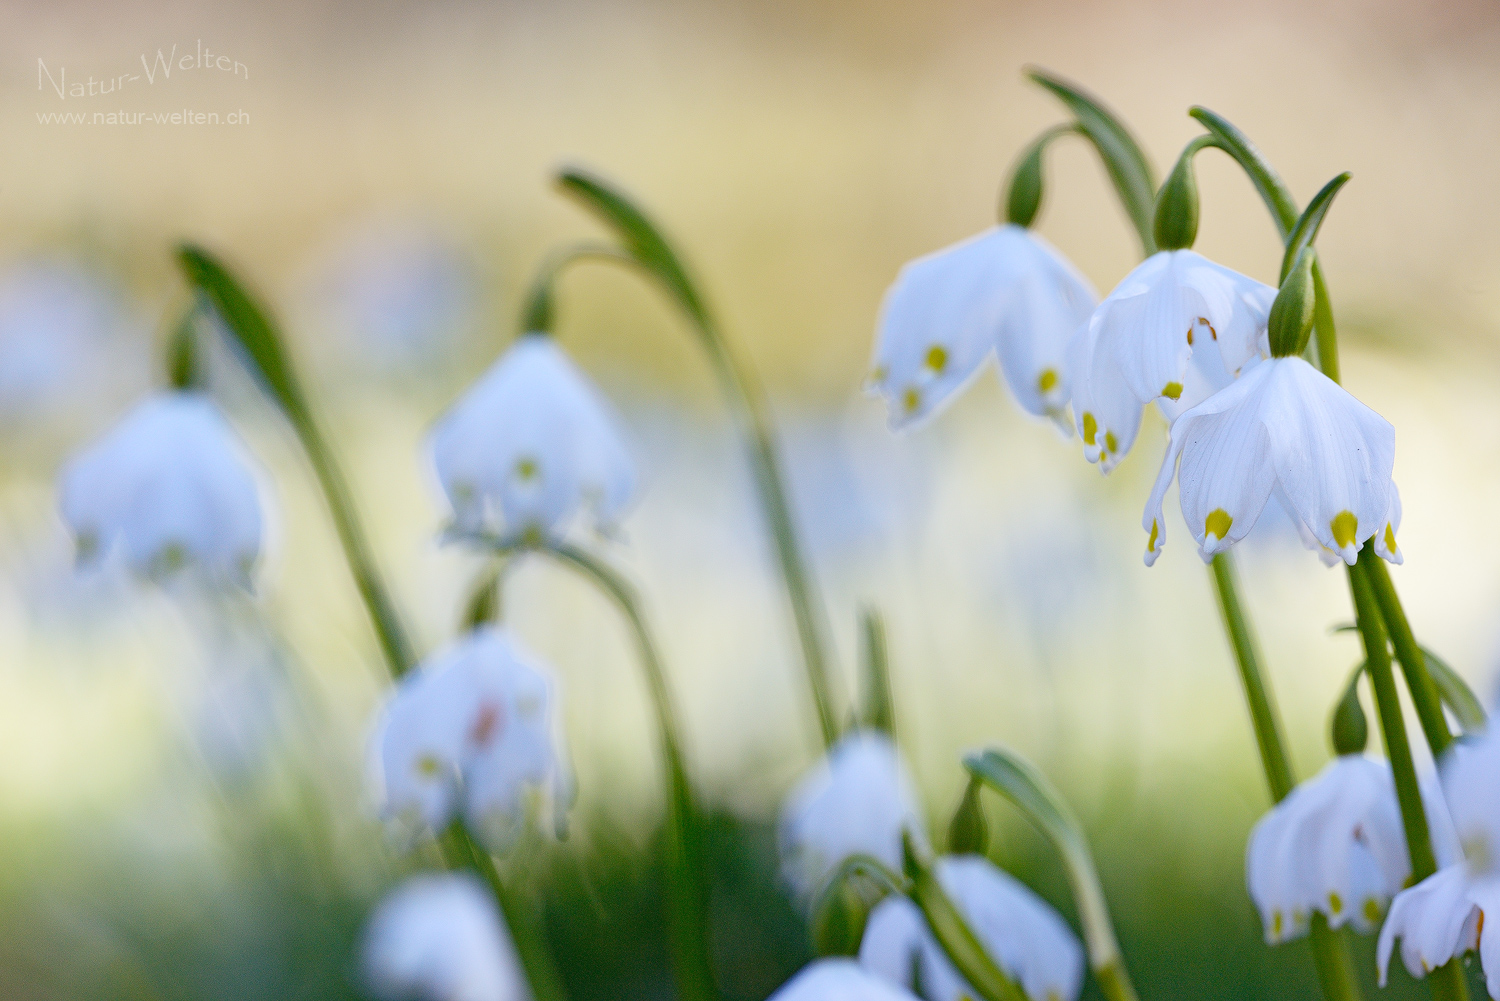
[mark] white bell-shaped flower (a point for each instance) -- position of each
(839, 980)
(1175, 330)
(1282, 426)
(472, 730)
(441, 937)
(1335, 844)
(1021, 932)
(171, 486)
(1005, 290)
(856, 801)
(1445, 915)
(530, 444)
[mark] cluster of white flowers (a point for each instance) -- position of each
(858, 801)
(1179, 331)
(472, 731)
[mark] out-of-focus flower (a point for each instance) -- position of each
(58, 326)
(394, 292)
(1444, 915)
(530, 444)
(1005, 291)
(1282, 426)
(856, 801)
(171, 486)
(1175, 329)
(441, 937)
(1335, 844)
(1022, 933)
(472, 730)
(839, 980)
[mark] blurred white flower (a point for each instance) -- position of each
(1282, 426)
(171, 485)
(393, 292)
(473, 730)
(1444, 915)
(1006, 291)
(1335, 844)
(530, 444)
(1175, 329)
(1023, 934)
(839, 980)
(441, 938)
(58, 327)
(856, 801)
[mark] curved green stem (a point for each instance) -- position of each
(687, 865)
(747, 404)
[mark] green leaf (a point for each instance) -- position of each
(952, 932)
(878, 709)
(1273, 190)
(1452, 688)
(639, 234)
(1305, 232)
(1018, 780)
(1127, 166)
(248, 324)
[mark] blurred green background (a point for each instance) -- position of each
(183, 812)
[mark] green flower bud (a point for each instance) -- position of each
(1291, 320)
(969, 834)
(1349, 728)
(1026, 185)
(838, 923)
(182, 353)
(1176, 224)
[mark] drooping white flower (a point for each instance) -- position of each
(1174, 330)
(1444, 915)
(171, 486)
(1022, 933)
(856, 801)
(839, 980)
(472, 730)
(1282, 426)
(1005, 290)
(1335, 844)
(441, 937)
(530, 444)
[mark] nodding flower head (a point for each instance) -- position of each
(1005, 291)
(856, 801)
(1177, 329)
(169, 486)
(1282, 427)
(530, 445)
(441, 936)
(839, 980)
(472, 731)
(1030, 940)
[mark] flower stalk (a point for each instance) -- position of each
(687, 866)
(646, 247)
(262, 348)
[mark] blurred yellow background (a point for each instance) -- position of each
(798, 153)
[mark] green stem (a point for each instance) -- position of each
(649, 249)
(1424, 693)
(687, 866)
(1113, 983)
(1331, 956)
(521, 918)
(1392, 725)
(1263, 715)
(394, 642)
